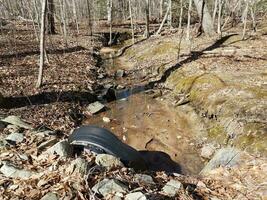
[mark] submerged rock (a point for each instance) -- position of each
(9, 170)
(224, 157)
(15, 120)
(172, 187)
(95, 107)
(108, 161)
(135, 196)
(109, 186)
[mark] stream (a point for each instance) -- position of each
(150, 125)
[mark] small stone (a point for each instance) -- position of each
(106, 119)
(108, 161)
(100, 76)
(15, 120)
(62, 148)
(172, 187)
(207, 151)
(95, 107)
(50, 196)
(120, 73)
(120, 87)
(135, 196)
(13, 128)
(13, 187)
(15, 138)
(11, 171)
(143, 178)
(109, 186)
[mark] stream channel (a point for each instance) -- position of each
(150, 125)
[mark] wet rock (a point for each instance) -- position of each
(109, 94)
(106, 119)
(79, 165)
(143, 178)
(224, 157)
(135, 196)
(207, 151)
(62, 148)
(15, 138)
(50, 196)
(9, 170)
(15, 120)
(108, 161)
(109, 186)
(172, 187)
(95, 107)
(120, 73)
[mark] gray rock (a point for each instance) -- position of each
(135, 196)
(120, 73)
(172, 187)
(79, 165)
(95, 107)
(224, 157)
(15, 138)
(108, 161)
(13, 128)
(50, 196)
(9, 170)
(15, 120)
(62, 148)
(109, 186)
(207, 151)
(143, 178)
(3, 144)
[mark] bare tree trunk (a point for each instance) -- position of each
(110, 21)
(204, 15)
(219, 31)
(189, 20)
(131, 16)
(147, 18)
(245, 21)
(254, 25)
(214, 10)
(42, 44)
(89, 18)
(161, 9)
(170, 14)
(75, 16)
(164, 19)
(50, 17)
(181, 14)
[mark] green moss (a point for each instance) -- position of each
(217, 133)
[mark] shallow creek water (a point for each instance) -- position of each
(153, 127)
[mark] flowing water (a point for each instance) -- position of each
(153, 127)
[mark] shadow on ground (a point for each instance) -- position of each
(46, 98)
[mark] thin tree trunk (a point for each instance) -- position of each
(181, 14)
(89, 18)
(164, 19)
(189, 20)
(214, 11)
(131, 17)
(147, 18)
(219, 31)
(254, 25)
(42, 44)
(170, 14)
(75, 16)
(161, 9)
(110, 21)
(245, 21)
(50, 17)
(205, 18)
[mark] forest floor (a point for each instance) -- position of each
(187, 81)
